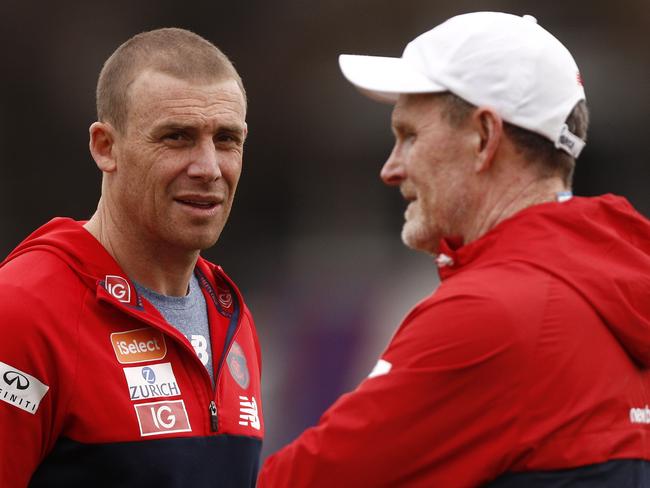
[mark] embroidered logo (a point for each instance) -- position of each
(20, 389)
(248, 414)
(225, 305)
(225, 300)
(162, 418)
(237, 366)
(139, 345)
(118, 287)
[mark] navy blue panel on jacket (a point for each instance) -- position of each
(174, 463)
(623, 473)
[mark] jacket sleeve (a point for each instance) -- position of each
(444, 415)
(32, 400)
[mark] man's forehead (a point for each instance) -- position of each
(410, 106)
(157, 96)
(162, 85)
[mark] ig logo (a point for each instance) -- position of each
(163, 418)
(118, 287)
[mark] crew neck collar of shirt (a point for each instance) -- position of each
(171, 301)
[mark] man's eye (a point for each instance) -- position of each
(406, 136)
(175, 136)
(227, 138)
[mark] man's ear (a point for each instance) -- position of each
(488, 127)
(102, 146)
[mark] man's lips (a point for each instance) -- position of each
(409, 198)
(199, 201)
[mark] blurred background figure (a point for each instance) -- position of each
(313, 239)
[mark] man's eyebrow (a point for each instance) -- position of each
(396, 119)
(232, 128)
(399, 126)
(184, 126)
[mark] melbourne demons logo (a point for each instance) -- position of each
(225, 299)
(237, 365)
(118, 287)
(226, 305)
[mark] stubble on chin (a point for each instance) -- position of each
(419, 236)
(415, 237)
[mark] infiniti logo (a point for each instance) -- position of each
(20, 389)
(19, 381)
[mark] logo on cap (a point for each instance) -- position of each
(118, 287)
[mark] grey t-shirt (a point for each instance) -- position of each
(189, 314)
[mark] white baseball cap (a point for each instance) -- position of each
(503, 61)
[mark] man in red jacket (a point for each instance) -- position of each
(127, 359)
(528, 366)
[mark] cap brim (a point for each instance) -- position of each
(384, 79)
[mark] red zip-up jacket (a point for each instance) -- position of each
(97, 389)
(528, 366)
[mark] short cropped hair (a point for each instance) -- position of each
(172, 51)
(536, 148)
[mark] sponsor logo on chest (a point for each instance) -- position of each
(139, 345)
(20, 389)
(154, 381)
(162, 418)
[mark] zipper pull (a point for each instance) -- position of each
(214, 422)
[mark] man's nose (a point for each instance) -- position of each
(392, 173)
(205, 163)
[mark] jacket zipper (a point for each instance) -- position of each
(214, 420)
(212, 408)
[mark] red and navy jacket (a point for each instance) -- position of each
(527, 367)
(97, 389)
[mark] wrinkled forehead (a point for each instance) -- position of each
(154, 95)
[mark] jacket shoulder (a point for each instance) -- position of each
(38, 281)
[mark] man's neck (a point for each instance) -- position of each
(502, 203)
(156, 267)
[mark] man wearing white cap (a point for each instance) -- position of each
(528, 366)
